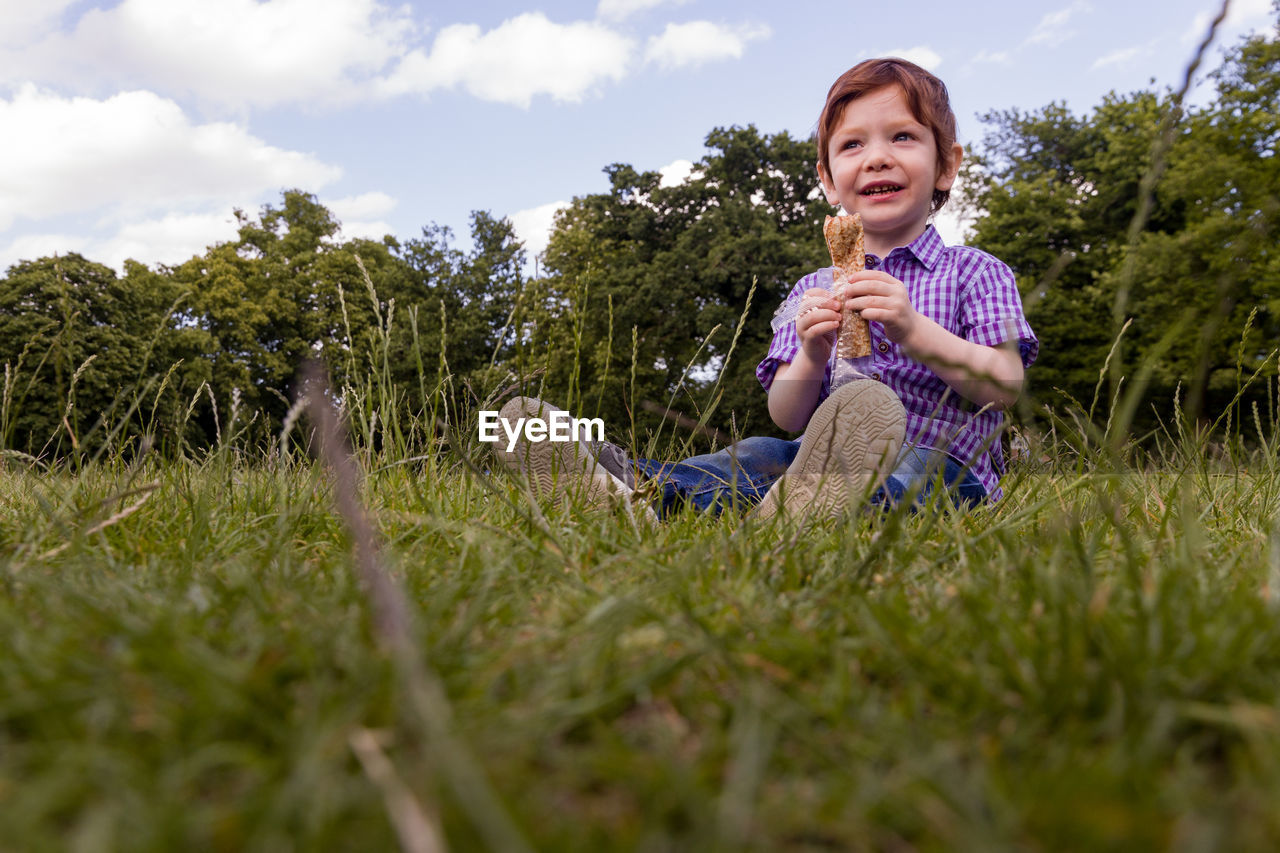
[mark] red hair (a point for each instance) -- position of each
(926, 98)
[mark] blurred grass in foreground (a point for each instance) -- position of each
(1095, 663)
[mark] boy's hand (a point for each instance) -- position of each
(817, 322)
(883, 299)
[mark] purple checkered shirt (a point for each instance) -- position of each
(968, 293)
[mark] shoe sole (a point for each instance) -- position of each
(558, 469)
(850, 446)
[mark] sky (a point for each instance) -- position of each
(135, 129)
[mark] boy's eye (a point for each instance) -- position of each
(902, 135)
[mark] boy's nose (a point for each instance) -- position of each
(878, 157)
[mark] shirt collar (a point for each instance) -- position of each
(927, 248)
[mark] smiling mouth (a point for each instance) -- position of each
(884, 189)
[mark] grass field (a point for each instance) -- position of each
(191, 662)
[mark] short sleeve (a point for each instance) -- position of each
(786, 342)
(991, 311)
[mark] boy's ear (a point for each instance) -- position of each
(947, 172)
(828, 188)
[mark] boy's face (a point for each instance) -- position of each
(884, 166)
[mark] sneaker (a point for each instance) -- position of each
(614, 459)
(597, 473)
(850, 446)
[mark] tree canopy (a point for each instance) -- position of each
(1056, 195)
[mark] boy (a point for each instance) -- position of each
(949, 340)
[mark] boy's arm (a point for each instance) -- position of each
(792, 402)
(987, 375)
(797, 384)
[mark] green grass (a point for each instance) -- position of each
(1093, 664)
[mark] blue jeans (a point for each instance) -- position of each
(742, 473)
(918, 468)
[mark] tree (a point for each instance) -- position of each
(171, 370)
(1220, 266)
(79, 345)
(283, 292)
(676, 263)
(463, 304)
(1056, 195)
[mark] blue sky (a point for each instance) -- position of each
(135, 128)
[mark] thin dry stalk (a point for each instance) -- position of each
(390, 610)
(146, 492)
(418, 833)
(425, 695)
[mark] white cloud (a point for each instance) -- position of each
(359, 214)
(1199, 26)
(533, 226)
(24, 20)
(233, 53)
(523, 57)
(357, 229)
(922, 55)
(1248, 11)
(617, 10)
(999, 57)
(29, 247)
(675, 173)
(1117, 57)
(952, 223)
(952, 227)
(697, 42)
(170, 239)
(1242, 15)
(131, 153)
(174, 237)
(1052, 29)
(361, 206)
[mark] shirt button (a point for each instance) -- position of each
(876, 376)
(884, 346)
